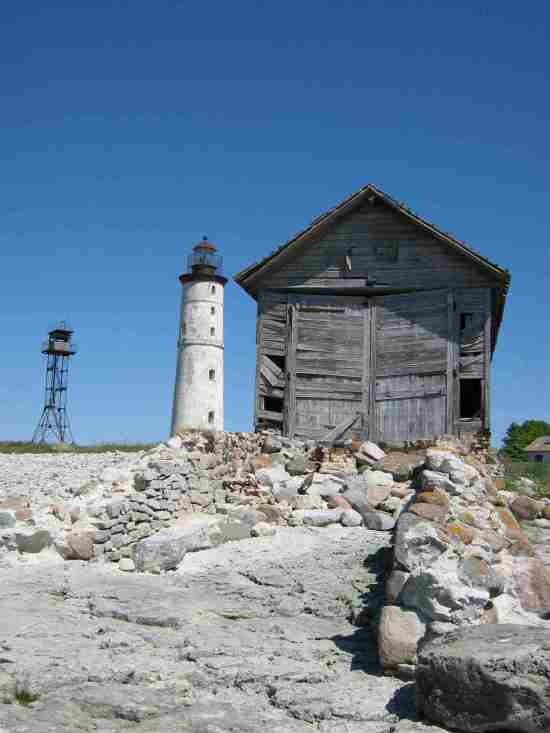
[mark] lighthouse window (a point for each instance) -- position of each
(211, 417)
(212, 330)
(212, 374)
(212, 311)
(213, 289)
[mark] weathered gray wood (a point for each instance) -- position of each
(271, 416)
(451, 340)
(487, 373)
(373, 423)
(340, 429)
(366, 376)
(290, 402)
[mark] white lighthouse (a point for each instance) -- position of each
(198, 392)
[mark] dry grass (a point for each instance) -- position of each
(17, 446)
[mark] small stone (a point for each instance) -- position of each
(7, 519)
(23, 515)
(263, 529)
(524, 507)
(437, 496)
(351, 518)
(319, 518)
(339, 502)
(460, 532)
(372, 450)
(378, 521)
(127, 565)
(433, 512)
(394, 586)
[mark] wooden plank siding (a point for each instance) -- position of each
(411, 365)
(419, 320)
(420, 256)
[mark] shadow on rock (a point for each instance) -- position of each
(361, 644)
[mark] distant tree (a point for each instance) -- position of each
(518, 437)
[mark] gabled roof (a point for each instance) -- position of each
(244, 277)
(540, 445)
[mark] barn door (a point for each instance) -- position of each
(326, 371)
(410, 364)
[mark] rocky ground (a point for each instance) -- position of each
(249, 636)
(57, 476)
(226, 582)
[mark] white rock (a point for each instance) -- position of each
(372, 450)
(351, 518)
(438, 594)
(127, 565)
(175, 442)
(263, 529)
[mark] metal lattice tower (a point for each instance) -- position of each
(54, 421)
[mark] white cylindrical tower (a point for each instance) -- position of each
(198, 392)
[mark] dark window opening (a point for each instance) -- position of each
(213, 289)
(466, 320)
(212, 330)
(212, 311)
(273, 404)
(538, 458)
(279, 360)
(470, 398)
(212, 374)
(210, 417)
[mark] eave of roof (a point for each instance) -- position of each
(252, 271)
(539, 445)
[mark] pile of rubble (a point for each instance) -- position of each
(462, 556)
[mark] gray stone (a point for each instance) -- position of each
(263, 529)
(272, 444)
(438, 593)
(487, 678)
(272, 476)
(372, 450)
(32, 540)
(163, 551)
(418, 543)
(394, 586)
(357, 497)
(319, 518)
(299, 466)
(379, 521)
(399, 632)
(232, 531)
(7, 520)
(435, 480)
(351, 518)
(114, 508)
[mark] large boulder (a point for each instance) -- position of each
(76, 546)
(163, 551)
(486, 678)
(399, 631)
(524, 507)
(33, 540)
(418, 543)
(439, 594)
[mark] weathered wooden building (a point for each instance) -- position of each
(372, 322)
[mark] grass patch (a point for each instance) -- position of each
(25, 698)
(17, 446)
(537, 472)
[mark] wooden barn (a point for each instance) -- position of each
(372, 322)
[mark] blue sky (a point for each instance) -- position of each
(130, 129)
